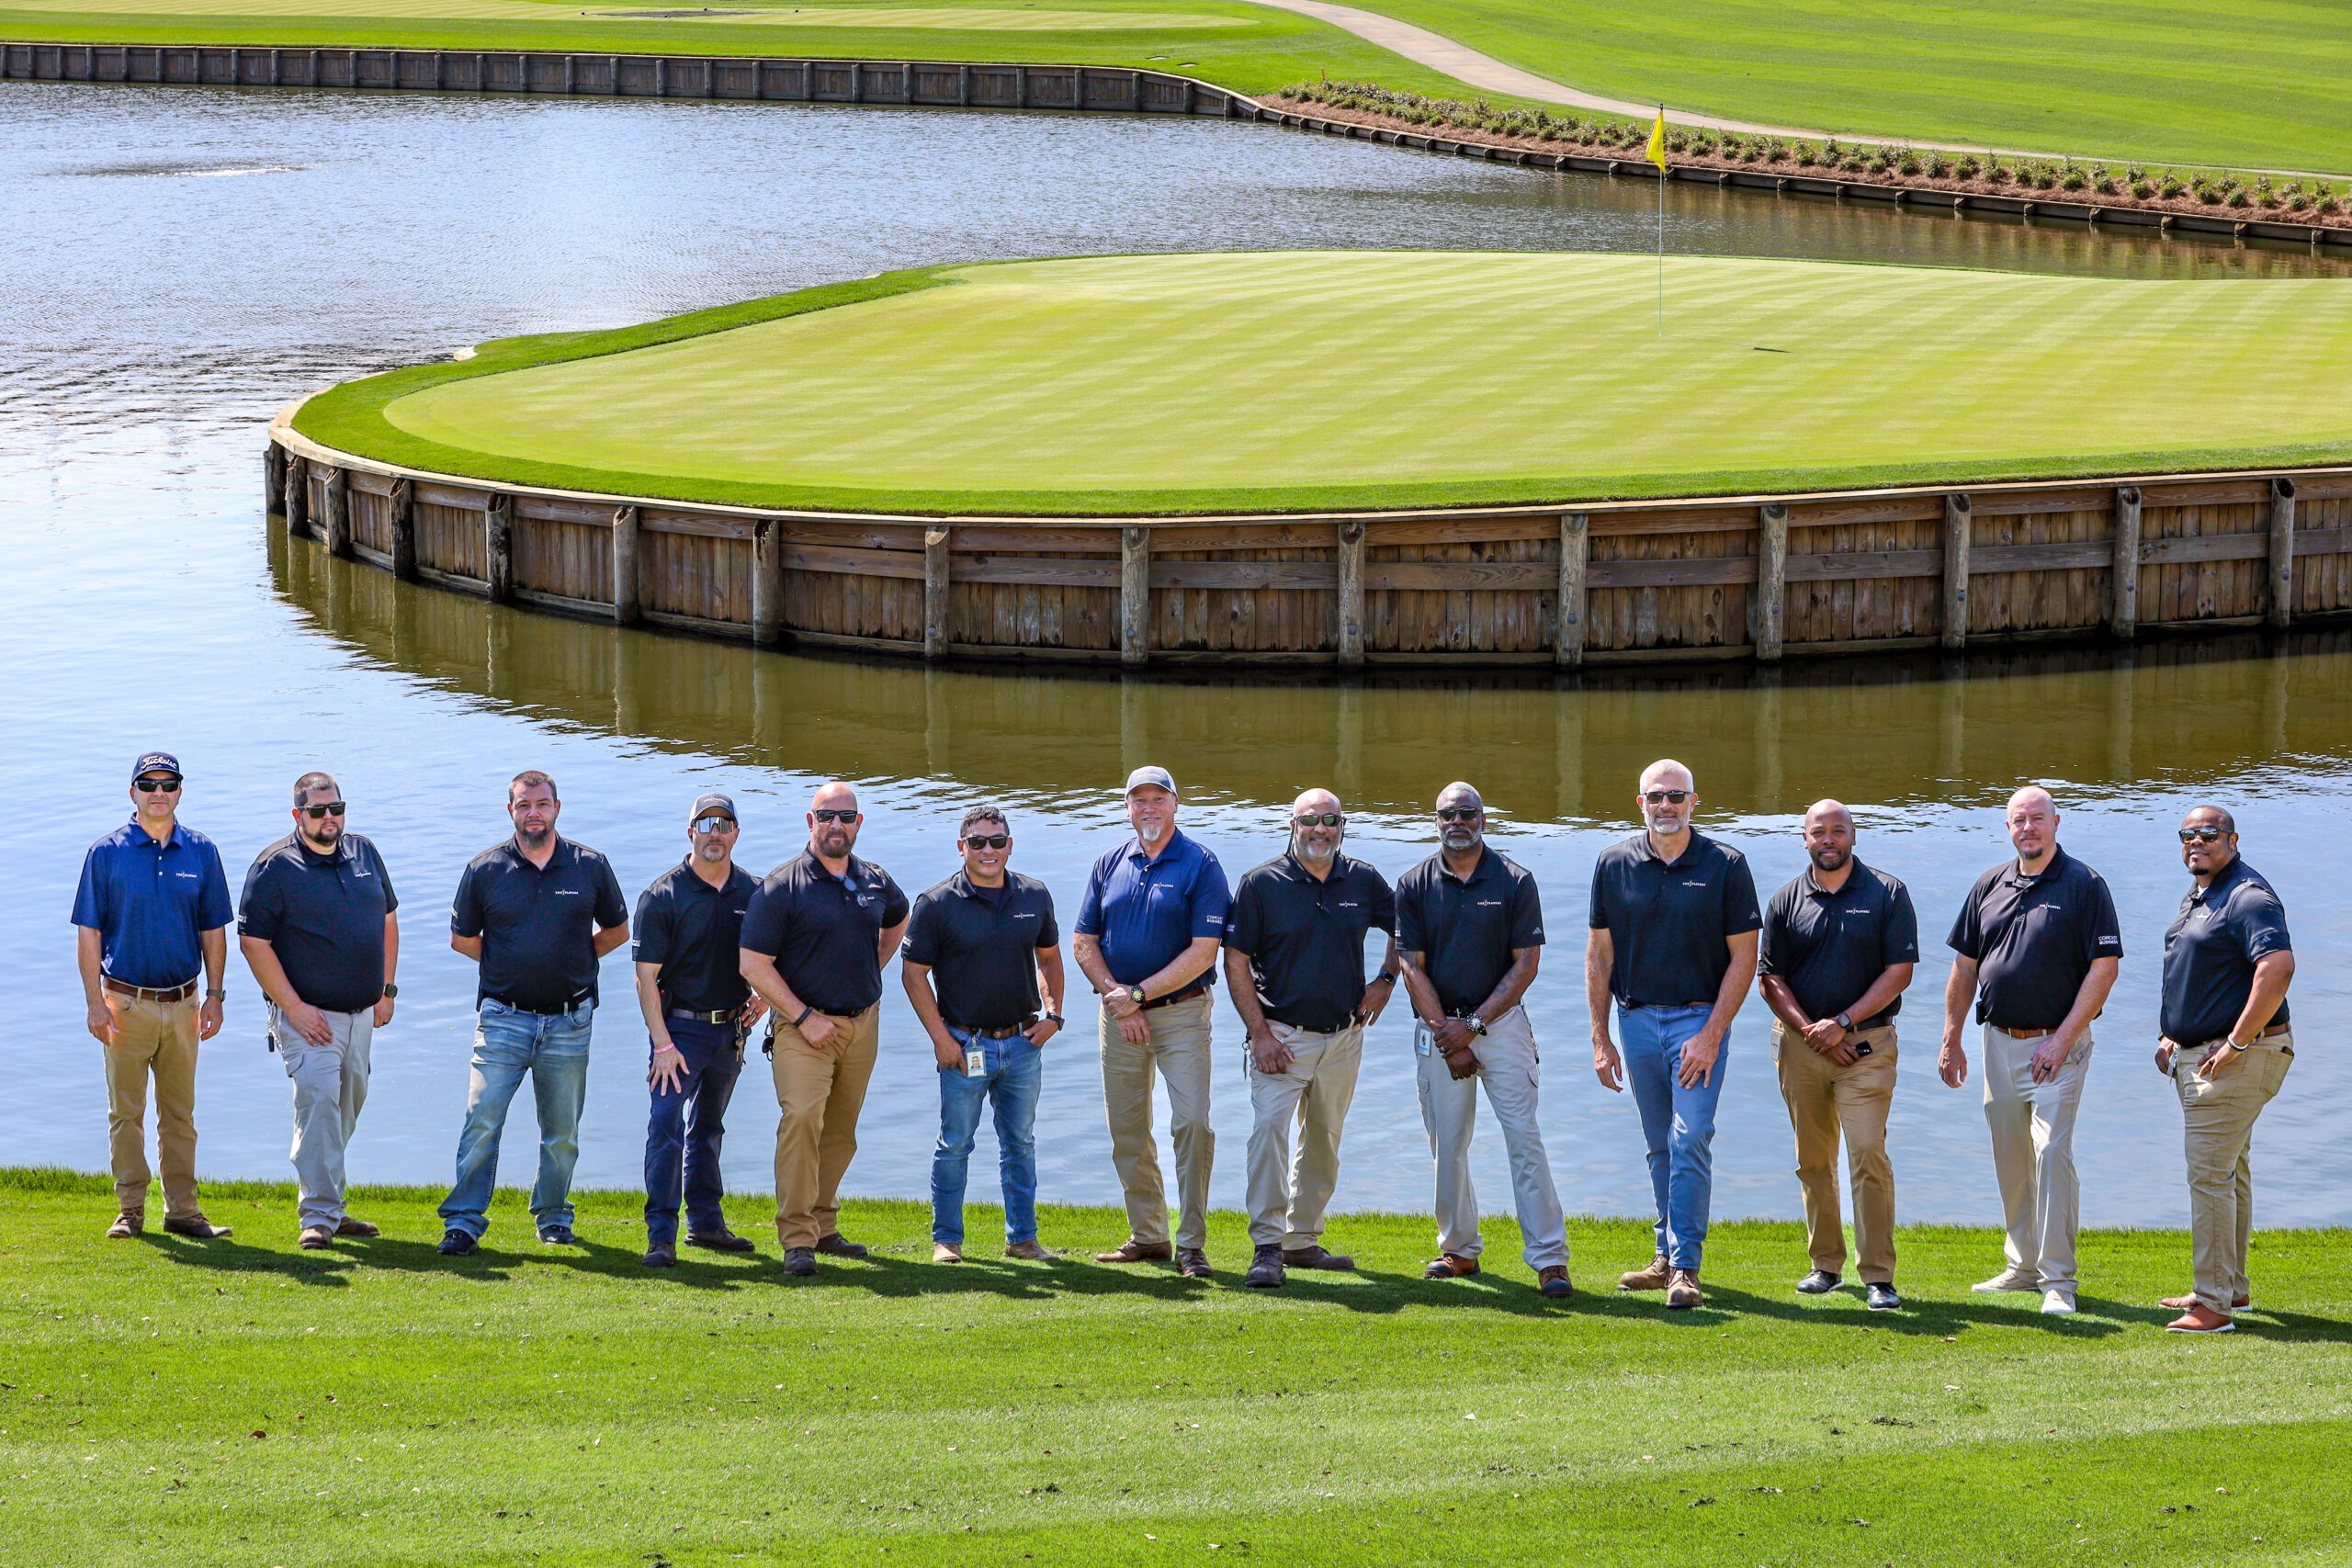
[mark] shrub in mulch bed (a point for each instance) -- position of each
(2303, 200)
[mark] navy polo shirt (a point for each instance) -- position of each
(1668, 920)
(538, 927)
(150, 902)
(1831, 947)
(1466, 928)
(1304, 937)
(2211, 949)
(981, 944)
(693, 930)
(825, 931)
(1146, 909)
(322, 915)
(2034, 938)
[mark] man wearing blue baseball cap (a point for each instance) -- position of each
(151, 912)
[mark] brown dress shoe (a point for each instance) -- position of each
(348, 1227)
(946, 1252)
(2202, 1319)
(315, 1238)
(1450, 1266)
(1134, 1251)
(839, 1245)
(1193, 1263)
(1682, 1289)
(1314, 1256)
(1031, 1252)
(2187, 1304)
(1654, 1277)
(198, 1228)
(1553, 1282)
(126, 1225)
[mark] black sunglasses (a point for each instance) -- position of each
(986, 840)
(1666, 797)
(1320, 819)
(331, 808)
(829, 816)
(2201, 835)
(157, 786)
(1460, 812)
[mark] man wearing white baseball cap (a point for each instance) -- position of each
(1147, 937)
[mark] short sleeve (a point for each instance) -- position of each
(259, 908)
(1212, 900)
(1740, 915)
(612, 904)
(1244, 921)
(1090, 907)
(1967, 937)
(90, 895)
(1598, 916)
(391, 899)
(1383, 905)
(649, 934)
(464, 911)
(2102, 931)
(923, 931)
(1901, 942)
(1049, 933)
(1526, 913)
(1410, 937)
(213, 910)
(2263, 924)
(894, 901)
(1770, 950)
(764, 920)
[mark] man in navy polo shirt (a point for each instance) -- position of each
(318, 930)
(2227, 1045)
(697, 1011)
(153, 910)
(1673, 944)
(2037, 950)
(1147, 939)
(536, 912)
(1294, 960)
(814, 941)
(983, 969)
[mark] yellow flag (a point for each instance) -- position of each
(1657, 153)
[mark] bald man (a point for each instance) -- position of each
(1293, 963)
(1840, 943)
(2037, 949)
(816, 936)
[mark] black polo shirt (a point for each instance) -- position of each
(322, 915)
(1304, 937)
(824, 931)
(2034, 938)
(1829, 947)
(1666, 919)
(2211, 949)
(538, 927)
(980, 944)
(1466, 927)
(693, 931)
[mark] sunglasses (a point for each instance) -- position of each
(1666, 797)
(331, 808)
(714, 824)
(848, 815)
(1319, 820)
(2201, 835)
(988, 841)
(1460, 812)
(156, 786)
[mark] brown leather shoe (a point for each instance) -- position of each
(315, 1238)
(2187, 1304)
(1031, 1252)
(839, 1245)
(1314, 1256)
(1553, 1282)
(1193, 1263)
(1450, 1266)
(127, 1225)
(1654, 1277)
(360, 1229)
(1682, 1288)
(1134, 1251)
(2202, 1319)
(946, 1252)
(196, 1227)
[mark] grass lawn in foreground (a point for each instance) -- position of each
(1352, 378)
(171, 1401)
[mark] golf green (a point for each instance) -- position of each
(1298, 379)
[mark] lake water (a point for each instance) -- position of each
(182, 262)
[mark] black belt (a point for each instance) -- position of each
(544, 1012)
(716, 1015)
(1007, 1033)
(1171, 1000)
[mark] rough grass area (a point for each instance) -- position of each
(1300, 379)
(242, 1401)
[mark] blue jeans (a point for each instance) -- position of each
(1678, 1123)
(553, 1048)
(1015, 1072)
(683, 1131)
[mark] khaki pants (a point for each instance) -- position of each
(821, 1089)
(158, 1038)
(2033, 1154)
(1287, 1199)
(329, 1086)
(1506, 1065)
(1179, 1048)
(2217, 1124)
(1824, 1098)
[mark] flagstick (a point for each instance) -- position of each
(1661, 252)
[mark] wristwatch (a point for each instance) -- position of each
(214, 993)
(1477, 1025)
(1384, 978)
(1135, 995)
(1054, 1019)
(1846, 1022)
(390, 991)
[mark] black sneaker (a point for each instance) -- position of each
(801, 1260)
(458, 1244)
(1820, 1282)
(1881, 1297)
(1265, 1268)
(557, 1235)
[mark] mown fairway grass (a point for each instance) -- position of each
(167, 1402)
(1301, 378)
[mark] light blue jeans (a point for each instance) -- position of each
(1015, 1072)
(1678, 1123)
(553, 1048)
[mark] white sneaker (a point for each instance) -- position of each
(2008, 1280)
(2057, 1304)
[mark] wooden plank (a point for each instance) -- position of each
(498, 547)
(1350, 628)
(1772, 580)
(1134, 585)
(627, 607)
(400, 510)
(1036, 571)
(852, 562)
(272, 478)
(935, 579)
(2052, 555)
(338, 514)
(1958, 527)
(1700, 571)
(1247, 574)
(298, 494)
(1865, 566)
(2123, 598)
(1569, 609)
(2322, 541)
(2282, 551)
(768, 549)
(2193, 547)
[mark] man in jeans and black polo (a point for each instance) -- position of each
(2038, 948)
(818, 931)
(318, 928)
(536, 913)
(697, 1011)
(983, 968)
(1840, 943)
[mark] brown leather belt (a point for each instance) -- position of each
(2270, 1032)
(2019, 1033)
(149, 993)
(1177, 997)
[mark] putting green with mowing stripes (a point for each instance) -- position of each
(1302, 379)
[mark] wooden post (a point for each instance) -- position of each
(2123, 620)
(1135, 595)
(1772, 580)
(935, 544)
(1959, 521)
(1352, 593)
(1568, 612)
(2282, 550)
(401, 504)
(963, 87)
(298, 494)
(272, 478)
(626, 605)
(498, 547)
(338, 518)
(767, 581)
